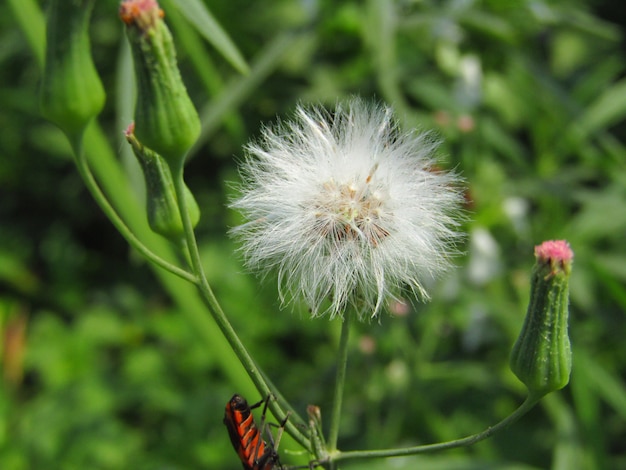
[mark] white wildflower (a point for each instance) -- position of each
(347, 209)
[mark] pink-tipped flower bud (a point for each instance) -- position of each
(71, 93)
(542, 356)
(166, 120)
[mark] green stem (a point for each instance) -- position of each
(529, 403)
(107, 208)
(29, 17)
(218, 314)
(340, 379)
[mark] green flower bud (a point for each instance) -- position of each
(162, 207)
(71, 91)
(316, 435)
(165, 119)
(542, 357)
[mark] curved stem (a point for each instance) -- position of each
(116, 220)
(340, 379)
(218, 315)
(529, 403)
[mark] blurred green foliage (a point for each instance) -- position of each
(102, 367)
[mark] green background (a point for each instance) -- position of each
(107, 364)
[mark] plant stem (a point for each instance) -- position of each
(218, 314)
(116, 220)
(340, 379)
(529, 403)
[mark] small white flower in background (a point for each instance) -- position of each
(347, 208)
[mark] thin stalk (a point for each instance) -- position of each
(31, 21)
(529, 403)
(218, 314)
(120, 225)
(340, 379)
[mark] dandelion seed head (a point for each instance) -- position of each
(346, 208)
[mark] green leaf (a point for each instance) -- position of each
(591, 223)
(609, 385)
(608, 109)
(199, 16)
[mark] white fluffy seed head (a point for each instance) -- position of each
(347, 208)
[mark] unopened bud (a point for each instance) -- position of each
(166, 120)
(162, 207)
(71, 90)
(318, 444)
(542, 357)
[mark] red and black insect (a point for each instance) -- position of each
(247, 438)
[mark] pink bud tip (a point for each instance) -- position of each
(130, 130)
(141, 12)
(554, 251)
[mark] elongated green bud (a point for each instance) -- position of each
(318, 444)
(71, 91)
(162, 207)
(542, 357)
(165, 119)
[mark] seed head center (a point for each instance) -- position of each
(348, 212)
